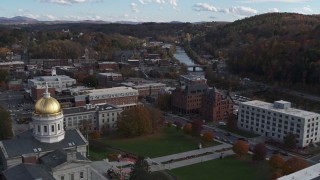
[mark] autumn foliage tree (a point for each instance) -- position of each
(207, 137)
(240, 148)
(276, 161)
(232, 122)
(276, 175)
(155, 118)
(95, 134)
(187, 128)
(197, 127)
(134, 122)
(293, 164)
(259, 152)
(6, 125)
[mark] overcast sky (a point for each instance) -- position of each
(152, 10)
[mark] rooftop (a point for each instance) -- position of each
(25, 143)
(90, 108)
(270, 106)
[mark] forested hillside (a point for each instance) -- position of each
(277, 47)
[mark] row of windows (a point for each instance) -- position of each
(71, 176)
(273, 130)
(45, 128)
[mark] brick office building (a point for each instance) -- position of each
(216, 105)
(123, 97)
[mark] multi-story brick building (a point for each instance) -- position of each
(124, 97)
(216, 105)
(276, 120)
(187, 98)
(108, 79)
(146, 89)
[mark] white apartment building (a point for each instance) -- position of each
(276, 120)
(58, 82)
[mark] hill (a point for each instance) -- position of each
(276, 47)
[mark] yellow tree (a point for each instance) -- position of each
(276, 161)
(240, 148)
(134, 122)
(293, 164)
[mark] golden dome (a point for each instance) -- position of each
(47, 106)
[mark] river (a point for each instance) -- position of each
(182, 56)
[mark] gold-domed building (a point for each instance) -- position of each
(48, 119)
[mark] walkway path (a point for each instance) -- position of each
(156, 164)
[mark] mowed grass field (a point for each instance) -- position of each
(168, 141)
(228, 168)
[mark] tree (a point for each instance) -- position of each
(140, 170)
(134, 122)
(240, 148)
(290, 140)
(187, 128)
(276, 161)
(259, 152)
(164, 101)
(207, 137)
(293, 164)
(91, 81)
(155, 117)
(232, 122)
(197, 127)
(276, 175)
(5, 125)
(95, 134)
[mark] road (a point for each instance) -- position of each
(231, 138)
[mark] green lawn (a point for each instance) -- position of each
(170, 141)
(239, 132)
(228, 168)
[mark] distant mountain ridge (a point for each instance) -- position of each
(17, 20)
(26, 20)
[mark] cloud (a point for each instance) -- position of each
(173, 3)
(205, 7)
(307, 9)
(67, 2)
(236, 11)
(273, 10)
(242, 11)
(134, 7)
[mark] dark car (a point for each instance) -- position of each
(242, 139)
(276, 152)
(284, 153)
(228, 134)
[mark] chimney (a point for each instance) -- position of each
(71, 155)
(29, 158)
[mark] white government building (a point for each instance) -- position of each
(276, 120)
(58, 82)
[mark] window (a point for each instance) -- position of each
(38, 128)
(72, 176)
(52, 128)
(81, 175)
(58, 127)
(45, 129)
(62, 177)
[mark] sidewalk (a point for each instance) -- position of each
(156, 164)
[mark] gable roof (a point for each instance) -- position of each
(58, 157)
(27, 172)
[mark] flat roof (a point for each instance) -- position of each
(309, 173)
(83, 109)
(111, 90)
(289, 111)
